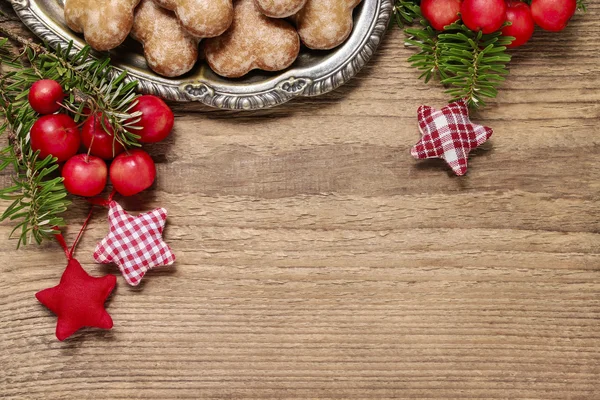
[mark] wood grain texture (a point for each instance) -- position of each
(316, 259)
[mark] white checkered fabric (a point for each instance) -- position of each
(449, 134)
(135, 244)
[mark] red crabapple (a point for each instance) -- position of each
(522, 26)
(55, 134)
(440, 13)
(85, 175)
(156, 121)
(45, 96)
(483, 15)
(132, 172)
(100, 141)
(553, 15)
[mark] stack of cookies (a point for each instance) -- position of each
(238, 35)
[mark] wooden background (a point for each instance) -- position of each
(316, 259)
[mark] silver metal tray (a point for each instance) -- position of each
(314, 73)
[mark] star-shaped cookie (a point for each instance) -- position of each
(78, 300)
(135, 244)
(449, 134)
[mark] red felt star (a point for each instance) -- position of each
(449, 134)
(135, 244)
(78, 300)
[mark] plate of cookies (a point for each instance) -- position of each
(229, 54)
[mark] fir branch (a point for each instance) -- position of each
(428, 60)
(476, 63)
(37, 199)
(406, 12)
(108, 93)
(38, 195)
(472, 65)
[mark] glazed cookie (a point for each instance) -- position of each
(325, 24)
(170, 51)
(201, 18)
(279, 8)
(253, 41)
(104, 24)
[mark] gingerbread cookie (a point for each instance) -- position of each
(279, 8)
(104, 24)
(170, 51)
(325, 24)
(253, 41)
(201, 18)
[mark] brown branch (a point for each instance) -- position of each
(80, 97)
(12, 141)
(23, 41)
(12, 136)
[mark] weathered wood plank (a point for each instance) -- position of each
(318, 260)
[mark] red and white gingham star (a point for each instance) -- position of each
(449, 134)
(135, 244)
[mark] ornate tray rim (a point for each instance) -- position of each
(285, 87)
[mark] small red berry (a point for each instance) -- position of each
(100, 141)
(85, 175)
(157, 119)
(132, 172)
(483, 15)
(440, 13)
(55, 134)
(45, 96)
(522, 26)
(553, 15)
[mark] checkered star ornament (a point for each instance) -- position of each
(135, 244)
(449, 134)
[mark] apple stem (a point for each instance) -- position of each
(91, 145)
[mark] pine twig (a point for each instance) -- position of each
(37, 198)
(476, 63)
(38, 195)
(406, 12)
(470, 64)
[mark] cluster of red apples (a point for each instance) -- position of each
(86, 173)
(490, 15)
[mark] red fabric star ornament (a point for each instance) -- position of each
(78, 300)
(135, 244)
(449, 134)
